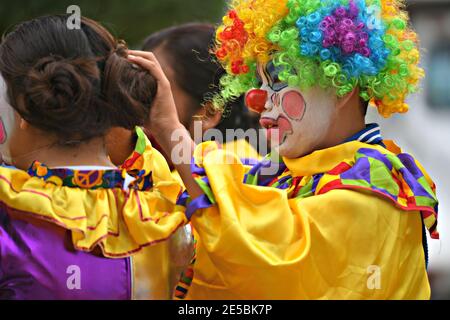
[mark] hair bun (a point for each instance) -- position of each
(59, 92)
(57, 84)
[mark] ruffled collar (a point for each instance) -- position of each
(93, 205)
(387, 172)
(324, 160)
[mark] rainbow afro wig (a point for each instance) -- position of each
(340, 44)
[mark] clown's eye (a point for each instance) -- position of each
(276, 80)
(273, 72)
(278, 85)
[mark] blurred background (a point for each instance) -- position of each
(132, 20)
(423, 132)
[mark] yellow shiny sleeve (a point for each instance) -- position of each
(255, 243)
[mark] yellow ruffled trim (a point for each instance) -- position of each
(120, 222)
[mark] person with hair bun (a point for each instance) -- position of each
(72, 224)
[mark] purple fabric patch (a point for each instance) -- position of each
(372, 153)
(201, 202)
(415, 186)
(411, 173)
(283, 181)
(257, 170)
(283, 186)
(316, 181)
(409, 162)
(38, 262)
(206, 181)
(196, 169)
(249, 162)
(360, 171)
(183, 199)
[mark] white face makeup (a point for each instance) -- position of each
(296, 122)
(7, 122)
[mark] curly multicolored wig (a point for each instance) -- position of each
(341, 44)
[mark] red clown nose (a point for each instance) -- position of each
(255, 100)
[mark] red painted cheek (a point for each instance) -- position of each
(284, 125)
(293, 105)
(284, 129)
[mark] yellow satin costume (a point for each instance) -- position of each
(338, 240)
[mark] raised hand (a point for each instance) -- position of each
(163, 117)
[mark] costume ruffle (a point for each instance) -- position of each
(388, 173)
(140, 164)
(119, 222)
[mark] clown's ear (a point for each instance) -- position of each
(350, 99)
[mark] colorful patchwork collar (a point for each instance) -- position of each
(85, 179)
(386, 172)
(139, 165)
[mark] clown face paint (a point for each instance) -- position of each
(7, 121)
(297, 122)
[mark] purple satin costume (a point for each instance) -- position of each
(38, 262)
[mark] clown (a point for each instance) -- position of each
(345, 214)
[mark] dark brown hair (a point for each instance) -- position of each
(77, 83)
(188, 48)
